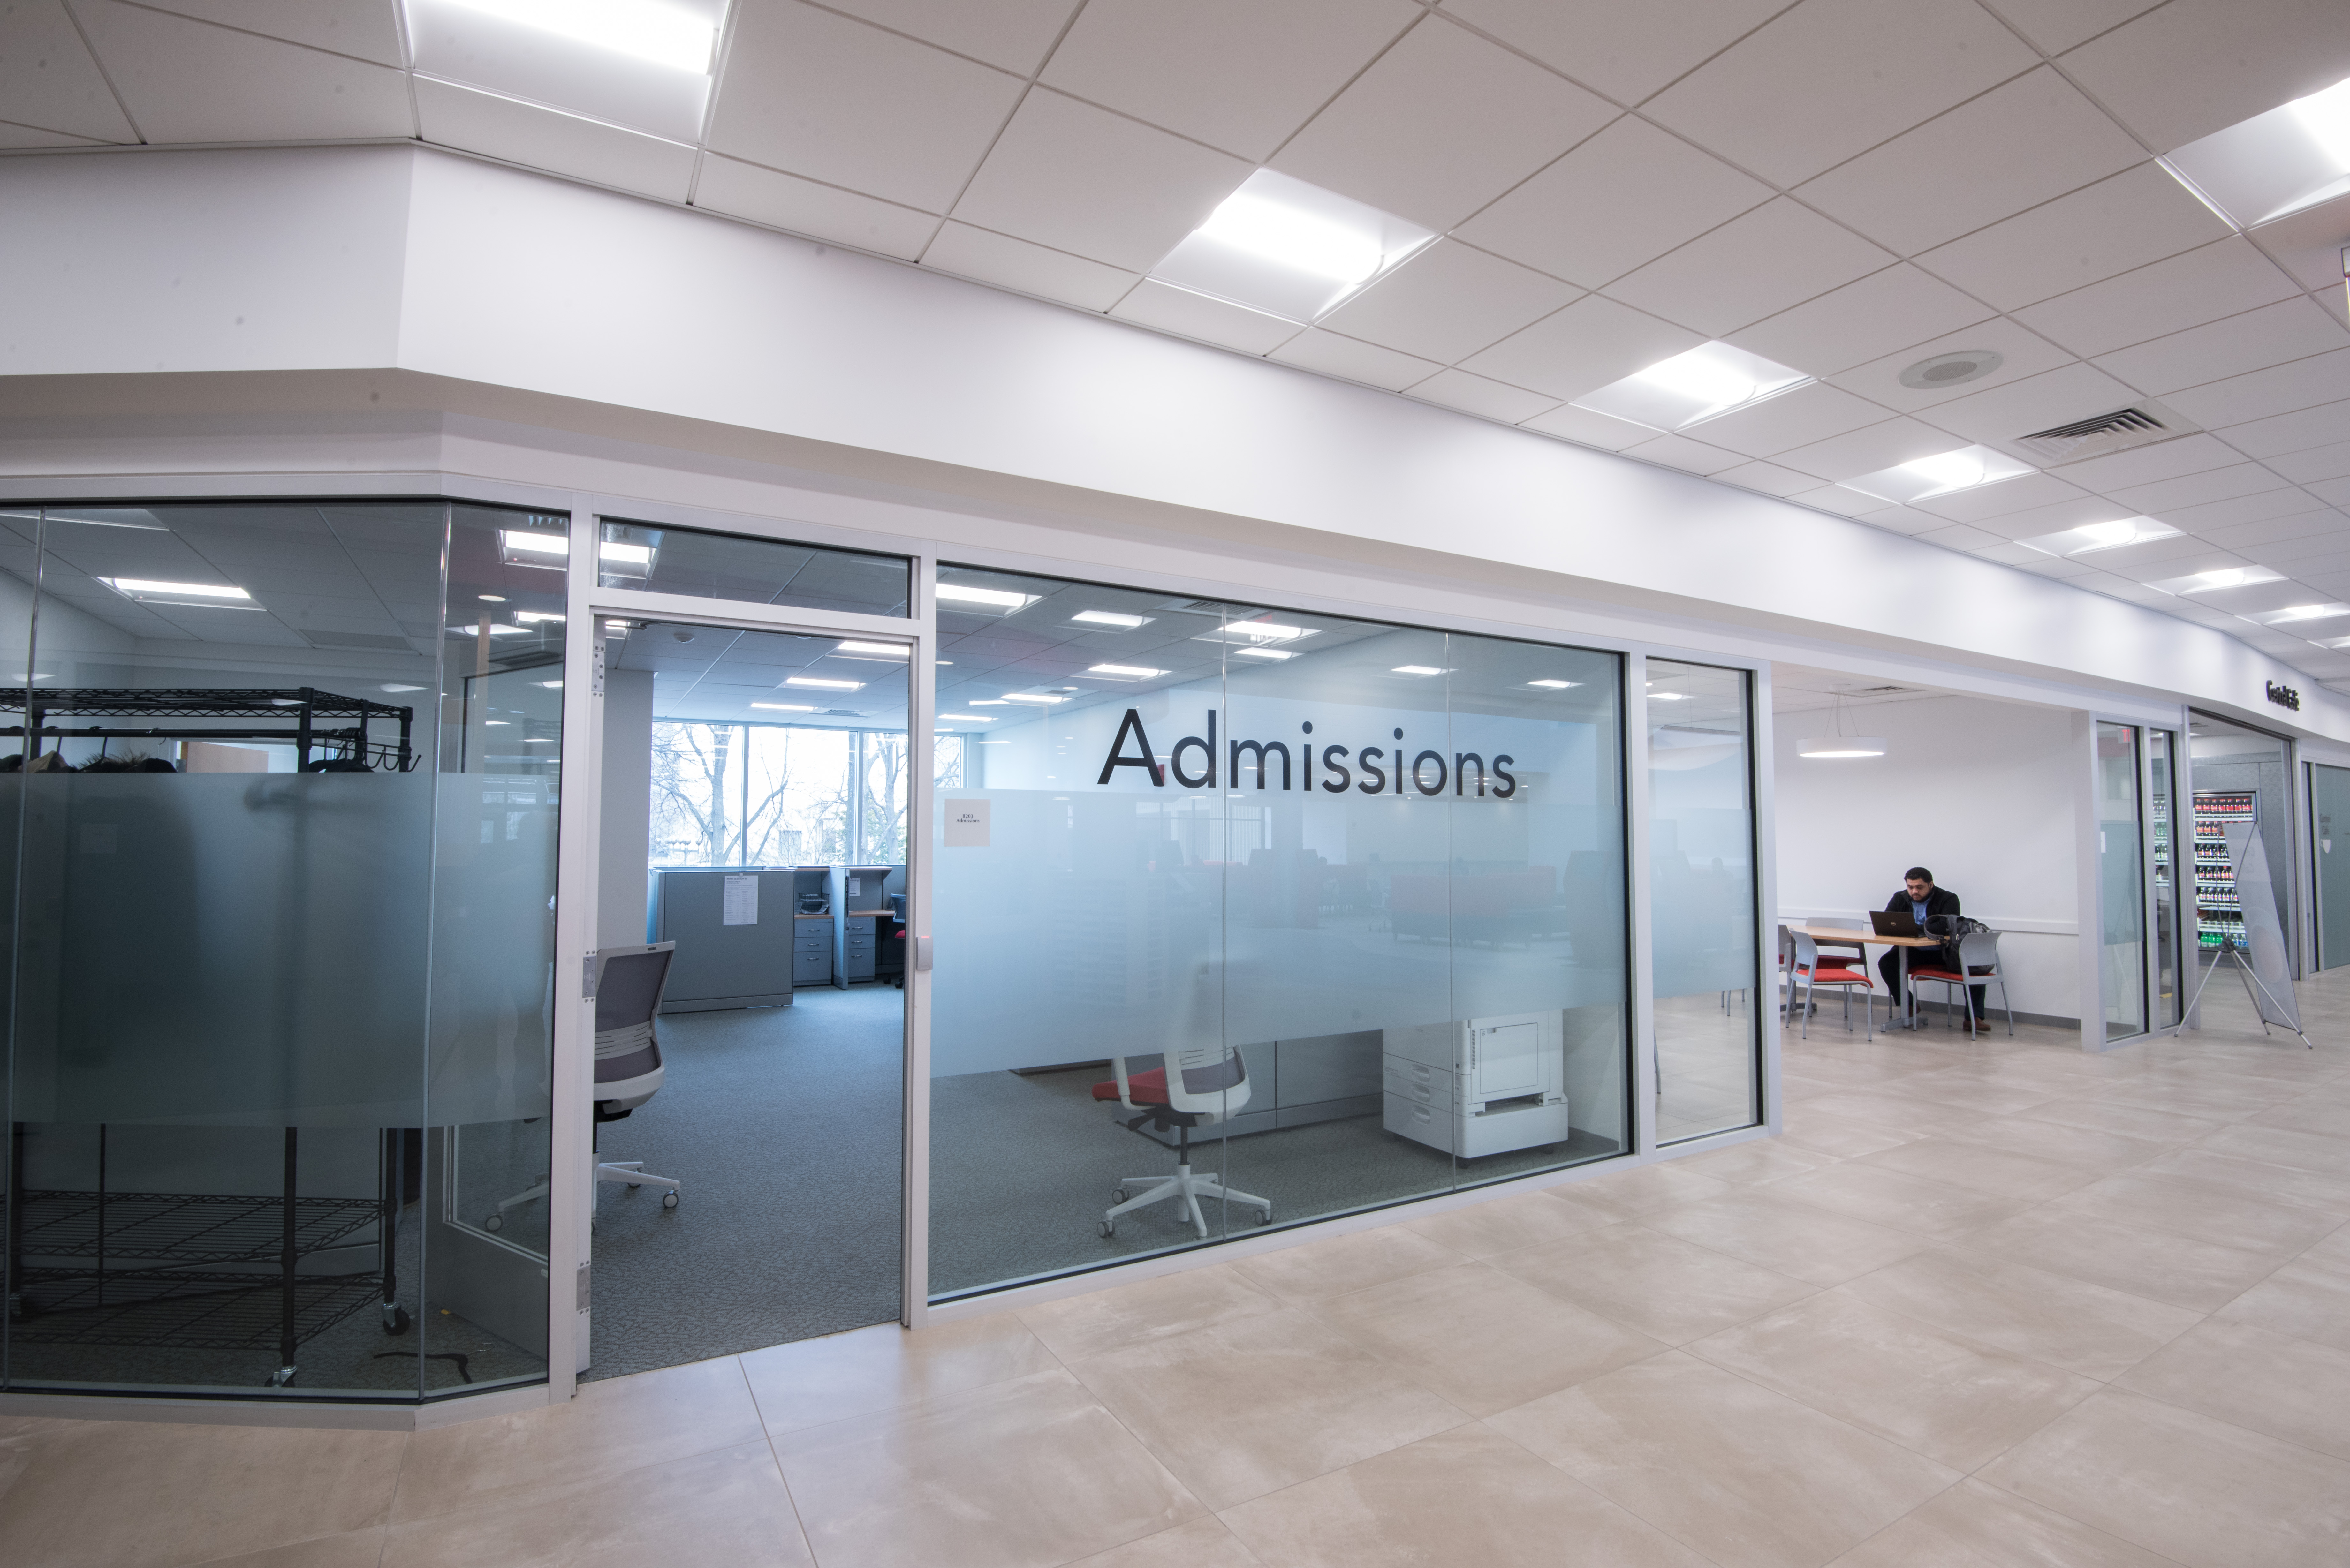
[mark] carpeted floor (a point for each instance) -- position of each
(785, 1125)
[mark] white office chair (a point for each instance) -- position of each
(1978, 967)
(629, 1072)
(1199, 1085)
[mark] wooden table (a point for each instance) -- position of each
(1865, 938)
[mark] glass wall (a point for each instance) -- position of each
(1703, 898)
(281, 818)
(2241, 776)
(2329, 798)
(2162, 807)
(1311, 914)
(782, 794)
(2121, 878)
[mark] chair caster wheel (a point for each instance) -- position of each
(1117, 1195)
(669, 1199)
(395, 1318)
(494, 1222)
(634, 1185)
(1264, 1216)
(1108, 1229)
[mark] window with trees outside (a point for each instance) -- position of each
(783, 794)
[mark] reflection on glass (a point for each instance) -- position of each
(2161, 832)
(2329, 790)
(1290, 914)
(2121, 878)
(781, 795)
(1702, 892)
(706, 565)
(274, 961)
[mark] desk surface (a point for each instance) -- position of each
(1851, 934)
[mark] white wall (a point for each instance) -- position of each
(627, 790)
(407, 258)
(1981, 794)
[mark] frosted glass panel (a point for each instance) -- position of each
(1701, 898)
(2121, 876)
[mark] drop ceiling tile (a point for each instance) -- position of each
(1448, 302)
(1587, 345)
(2267, 504)
(2273, 335)
(1625, 51)
(367, 29)
(1835, 498)
(1793, 419)
(2021, 354)
(2335, 490)
(805, 207)
(1571, 424)
(2296, 432)
(1961, 536)
(524, 133)
(2193, 489)
(1755, 266)
(2156, 559)
(2262, 394)
(2055, 25)
(2317, 463)
(2305, 553)
(1014, 34)
(2078, 573)
(1241, 75)
(1008, 262)
(2308, 244)
(1767, 477)
(1477, 395)
(2144, 464)
(1172, 309)
(1624, 197)
(1884, 312)
(1829, 79)
(2008, 554)
(2193, 67)
(1354, 361)
(47, 80)
(826, 96)
(2138, 216)
(2326, 523)
(2225, 278)
(2026, 492)
(1082, 179)
(1868, 448)
(1440, 125)
(18, 136)
(1902, 520)
(1997, 417)
(1681, 453)
(2064, 515)
(2022, 143)
(190, 81)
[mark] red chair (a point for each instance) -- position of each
(1979, 958)
(1812, 971)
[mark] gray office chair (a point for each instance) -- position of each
(628, 1071)
(1198, 1084)
(1978, 968)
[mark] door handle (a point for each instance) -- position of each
(922, 954)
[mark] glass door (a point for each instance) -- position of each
(2121, 881)
(2167, 855)
(2329, 801)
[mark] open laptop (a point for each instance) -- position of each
(1895, 923)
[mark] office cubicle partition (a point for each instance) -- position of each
(280, 805)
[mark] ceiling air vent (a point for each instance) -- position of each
(2094, 438)
(1875, 691)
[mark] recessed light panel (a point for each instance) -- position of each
(1419, 670)
(1705, 383)
(1111, 617)
(823, 685)
(2273, 164)
(1290, 249)
(1922, 479)
(1125, 672)
(1555, 685)
(2294, 615)
(786, 707)
(642, 63)
(964, 597)
(145, 587)
(2217, 579)
(2093, 536)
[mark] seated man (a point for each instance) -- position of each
(1921, 899)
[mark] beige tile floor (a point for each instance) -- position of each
(1984, 1306)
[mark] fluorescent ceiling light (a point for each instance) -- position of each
(650, 30)
(495, 631)
(498, 724)
(551, 685)
(873, 649)
(1293, 250)
(1923, 478)
(641, 62)
(822, 684)
(2222, 578)
(994, 598)
(519, 542)
(1668, 696)
(1124, 671)
(1841, 746)
(785, 707)
(1253, 632)
(613, 552)
(971, 718)
(400, 688)
(1029, 696)
(1418, 670)
(619, 626)
(1708, 382)
(141, 587)
(984, 702)
(2292, 614)
(536, 616)
(1111, 617)
(2092, 536)
(539, 740)
(491, 598)
(1264, 653)
(2273, 164)
(1554, 685)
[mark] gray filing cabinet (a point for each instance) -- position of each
(857, 937)
(747, 964)
(812, 950)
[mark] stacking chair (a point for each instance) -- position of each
(1812, 971)
(1977, 966)
(1203, 1081)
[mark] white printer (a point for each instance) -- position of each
(1478, 1086)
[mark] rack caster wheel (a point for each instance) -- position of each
(1108, 1229)
(1264, 1216)
(669, 1199)
(395, 1318)
(494, 1222)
